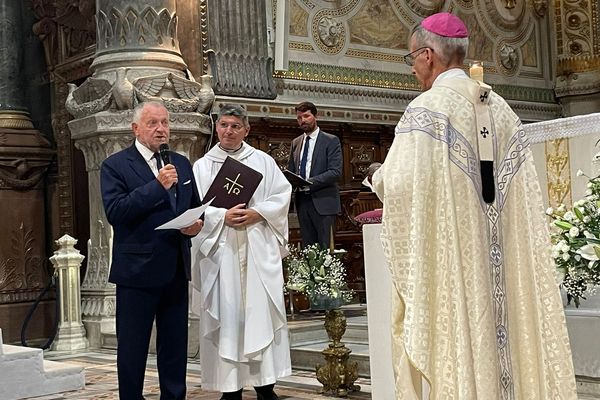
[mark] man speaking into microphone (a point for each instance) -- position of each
(144, 186)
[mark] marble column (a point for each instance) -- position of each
(13, 109)
(25, 156)
(238, 59)
(137, 59)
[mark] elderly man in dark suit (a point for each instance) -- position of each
(151, 268)
(317, 157)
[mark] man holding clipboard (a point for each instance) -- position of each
(237, 275)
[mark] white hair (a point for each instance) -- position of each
(448, 49)
(139, 109)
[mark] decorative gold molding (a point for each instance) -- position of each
(558, 172)
(15, 120)
(300, 46)
(567, 66)
(204, 33)
(372, 55)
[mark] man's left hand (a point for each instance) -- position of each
(193, 229)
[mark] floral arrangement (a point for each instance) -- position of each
(575, 237)
(318, 274)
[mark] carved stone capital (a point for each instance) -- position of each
(131, 34)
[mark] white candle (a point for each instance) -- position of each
(476, 71)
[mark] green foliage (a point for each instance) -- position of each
(316, 273)
(576, 244)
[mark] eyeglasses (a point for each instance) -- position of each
(409, 59)
(224, 126)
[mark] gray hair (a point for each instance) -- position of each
(449, 49)
(234, 110)
(139, 109)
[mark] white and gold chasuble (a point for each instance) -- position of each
(477, 310)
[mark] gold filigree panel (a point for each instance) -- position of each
(529, 52)
(479, 43)
(376, 24)
(559, 172)
(298, 20)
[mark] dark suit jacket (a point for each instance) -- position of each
(135, 203)
(325, 171)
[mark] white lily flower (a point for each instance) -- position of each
(590, 185)
(589, 235)
(588, 252)
(569, 216)
(566, 256)
(562, 208)
(587, 219)
(588, 192)
(549, 211)
(580, 172)
(574, 231)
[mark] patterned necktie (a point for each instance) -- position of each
(304, 158)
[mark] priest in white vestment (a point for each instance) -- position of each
(237, 276)
(477, 310)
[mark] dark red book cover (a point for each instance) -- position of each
(235, 183)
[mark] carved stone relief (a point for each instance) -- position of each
(133, 28)
(23, 270)
(508, 58)
(66, 27)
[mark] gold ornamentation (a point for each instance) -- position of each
(300, 46)
(558, 172)
(15, 120)
(372, 55)
(203, 7)
(570, 65)
(339, 373)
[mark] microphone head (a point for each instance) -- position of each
(163, 149)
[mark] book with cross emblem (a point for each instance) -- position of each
(235, 183)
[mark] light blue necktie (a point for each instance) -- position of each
(304, 158)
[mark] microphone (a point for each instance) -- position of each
(163, 150)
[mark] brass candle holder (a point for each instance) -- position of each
(339, 373)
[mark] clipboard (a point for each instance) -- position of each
(295, 179)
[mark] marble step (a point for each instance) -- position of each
(24, 373)
(307, 356)
(313, 331)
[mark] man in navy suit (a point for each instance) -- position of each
(317, 157)
(151, 268)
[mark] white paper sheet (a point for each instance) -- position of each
(186, 219)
